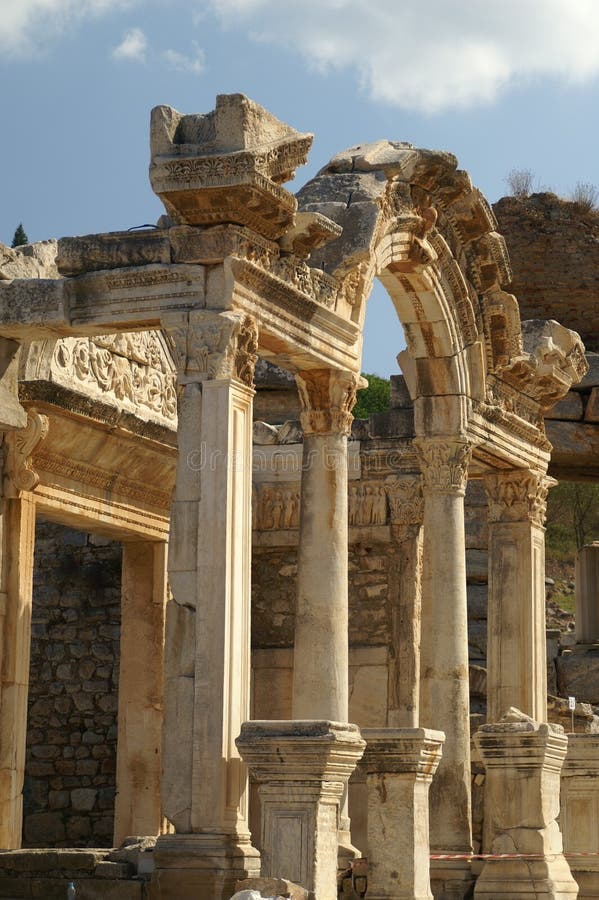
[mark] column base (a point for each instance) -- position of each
(202, 866)
(451, 879)
(517, 879)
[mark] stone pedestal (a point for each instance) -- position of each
(444, 685)
(523, 761)
(400, 765)
(516, 645)
(587, 594)
(579, 816)
(207, 647)
(302, 769)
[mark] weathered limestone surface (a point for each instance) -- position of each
(587, 594)
(579, 816)
(400, 764)
(302, 769)
(523, 761)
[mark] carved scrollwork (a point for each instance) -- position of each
(444, 464)
(19, 473)
(132, 367)
(518, 495)
(406, 503)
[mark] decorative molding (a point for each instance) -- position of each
(210, 345)
(19, 472)
(327, 398)
(131, 369)
(406, 503)
(518, 495)
(444, 464)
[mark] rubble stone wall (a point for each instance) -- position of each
(72, 722)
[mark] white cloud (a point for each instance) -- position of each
(193, 64)
(435, 56)
(133, 46)
(27, 25)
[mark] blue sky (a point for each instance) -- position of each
(506, 85)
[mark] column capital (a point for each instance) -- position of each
(327, 397)
(444, 463)
(518, 495)
(406, 504)
(211, 345)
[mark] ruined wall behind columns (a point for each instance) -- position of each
(72, 725)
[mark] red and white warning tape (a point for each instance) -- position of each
(512, 855)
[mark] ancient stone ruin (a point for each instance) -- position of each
(247, 627)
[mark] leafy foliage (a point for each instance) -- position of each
(20, 237)
(572, 518)
(374, 398)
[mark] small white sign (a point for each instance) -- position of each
(572, 703)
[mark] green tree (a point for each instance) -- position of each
(572, 517)
(374, 398)
(20, 237)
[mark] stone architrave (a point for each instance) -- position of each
(17, 541)
(302, 769)
(516, 646)
(138, 805)
(404, 493)
(587, 594)
(320, 660)
(400, 764)
(523, 762)
(207, 649)
(444, 680)
(579, 815)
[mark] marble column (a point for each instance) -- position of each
(516, 647)
(138, 806)
(207, 647)
(444, 686)
(400, 764)
(523, 761)
(17, 542)
(320, 661)
(587, 594)
(404, 493)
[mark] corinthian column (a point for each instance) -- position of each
(320, 667)
(207, 649)
(320, 661)
(444, 694)
(516, 649)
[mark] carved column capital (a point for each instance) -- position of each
(406, 503)
(444, 464)
(327, 398)
(518, 495)
(209, 345)
(19, 474)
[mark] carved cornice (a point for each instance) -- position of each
(406, 503)
(19, 474)
(444, 464)
(519, 495)
(210, 345)
(327, 398)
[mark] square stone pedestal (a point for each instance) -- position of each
(579, 816)
(523, 762)
(201, 866)
(400, 764)
(301, 768)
